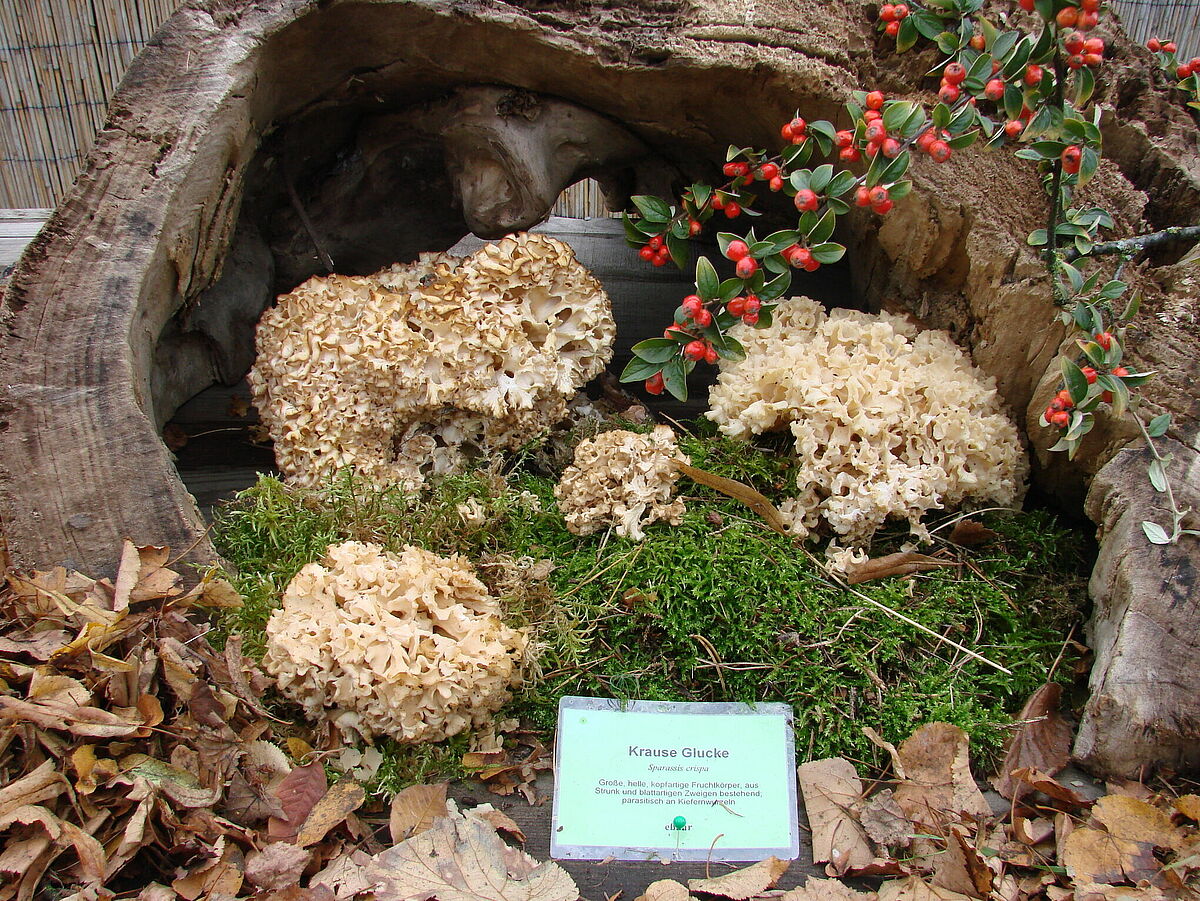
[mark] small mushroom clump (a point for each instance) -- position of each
(409, 645)
(622, 479)
(888, 421)
(409, 371)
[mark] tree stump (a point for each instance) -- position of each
(256, 143)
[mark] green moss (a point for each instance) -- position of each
(718, 608)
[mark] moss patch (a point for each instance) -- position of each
(719, 608)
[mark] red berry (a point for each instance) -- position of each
(718, 202)
(873, 149)
(940, 151)
(1169, 47)
(730, 169)
(733, 210)
(694, 350)
(1120, 372)
(1093, 59)
(901, 11)
(882, 207)
(798, 126)
(1055, 406)
(710, 355)
(887, 12)
(927, 138)
(1194, 63)
(655, 243)
(1088, 21)
(1064, 398)
(1104, 339)
(871, 115)
(655, 384)
(1182, 72)
(1027, 5)
(746, 267)
(1067, 16)
(994, 89)
(977, 42)
(1072, 157)
(786, 131)
(1096, 45)
(776, 183)
(1075, 61)
(876, 131)
(892, 29)
(875, 100)
(1089, 6)
(736, 307)
(1154, 45)
(647, 253)
(801, 257)
(737, 249)
(862, 197)
(1106, 397)
(750, 319)
(753, 305)
(850, 154)
(949, 94)
(692, 304)
(1033, 74)
(878, 194)
(1062, 419)
(1090, 374)
(694, 227)
(1074, 42)
(767, 171)
(844, 138)
(1014, 127)
(664, 253)
(704, 318)
(891, 148)
(954, 73)
(658, 261)
(807, 200)
(811, 265)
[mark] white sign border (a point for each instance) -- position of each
(667, 854)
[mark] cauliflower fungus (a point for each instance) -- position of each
(888, 421)
(409, 645)
(622, 479)
(402, 372)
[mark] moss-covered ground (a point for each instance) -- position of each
(718, 608)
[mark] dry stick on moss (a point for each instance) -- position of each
(916, 625)
(1139, 243)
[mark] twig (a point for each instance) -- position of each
(1139, 243)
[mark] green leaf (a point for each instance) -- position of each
(633, 237)
(894, 115)
(776, 287)
(821, 177)
(1085, 318)
(1075, 380)
(796, 154)
(781, 240)
(909, 31)
(1135, 304)
(679, 250)
(963, 140)
(1113, 289)
(823, 128)
(1003, 43)
(1085, 84)
(823, 230)
(1038, 237)
(1158, 475)
(724, 239)
(1017, 60)
(1094, 353)
(638, 370)
(948, 42)
(1074, 276)
(653, 209)
(675, 375)
(1158, 425)
(828, 253)
(730, 349)
(729, 289)
(734, 152)
(656, 350)
(840, 183)
(1156, 533)
(1087, 166)
(927, 24)
(895, 169)
(1048, 150)
(1013, 100)
(701, 193)
(1120, 393)
(801, 179)
(707, 283)
(941, 116)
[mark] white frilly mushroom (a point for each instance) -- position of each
(405, 372)
(409, 645)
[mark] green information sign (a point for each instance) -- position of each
(641, 780)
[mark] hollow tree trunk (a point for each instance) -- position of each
(285, 135)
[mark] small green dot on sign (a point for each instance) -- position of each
(679, 822)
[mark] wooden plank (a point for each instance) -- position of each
(17, 229)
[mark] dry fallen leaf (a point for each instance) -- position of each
(331, 811)
(970, 533)
(297, 793)
(1093, 856)
(1135, 820)
(277, 866)
(884, 820)
(744, 883)
(415, 808)
(345, 876)
(1189, 806)
(832, 791)
(498, 820)
(937, 760)
(818, 889)
(961, 869)
(1043, 742)
(879, 742)
(914, 888)
(664, 890)
(461, 859)
(1051, 788)
(902, 563)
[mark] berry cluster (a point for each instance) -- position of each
(891, 15)
(1082, 51)
(655, 251)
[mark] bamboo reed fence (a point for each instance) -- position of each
(60, 61)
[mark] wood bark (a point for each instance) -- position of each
(248, 147)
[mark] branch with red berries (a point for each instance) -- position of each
(1188, 72)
